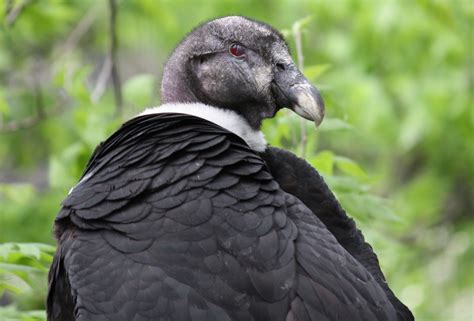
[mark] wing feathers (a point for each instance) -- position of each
(176, 218)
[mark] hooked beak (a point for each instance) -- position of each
(292, 90)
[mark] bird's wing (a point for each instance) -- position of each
(177, 219)
(331, 284)
(301, 180)
(173, 218)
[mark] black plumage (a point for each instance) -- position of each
(177, 218)
(288, 170)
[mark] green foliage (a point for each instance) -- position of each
(23, 270)
(395, 146)
(11, 313)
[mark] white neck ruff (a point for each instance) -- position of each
(225, 118)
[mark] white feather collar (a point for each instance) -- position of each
(225, 118)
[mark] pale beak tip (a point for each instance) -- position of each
(310, 104)
(318, 122)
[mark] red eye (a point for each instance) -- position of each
(236, 50)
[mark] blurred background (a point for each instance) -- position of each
(396, 146)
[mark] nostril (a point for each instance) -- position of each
(280, 66)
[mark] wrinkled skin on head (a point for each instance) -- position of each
(257, 83)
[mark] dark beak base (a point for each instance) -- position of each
(292, 90)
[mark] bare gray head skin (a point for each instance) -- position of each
(240, 64)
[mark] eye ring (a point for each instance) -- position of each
(237, 50)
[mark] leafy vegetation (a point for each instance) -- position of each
(23, 271)
(396, 145)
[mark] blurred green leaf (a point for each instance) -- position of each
(314, 72)
(11, 282)
(11, 313)
(301, 24)
(21, 263)
(60, 166)
(365, 206)
(345, 184)
(349, 167)
(139, 89)
(17, 192)
(4, 109)
(334, 124)
(324, 162)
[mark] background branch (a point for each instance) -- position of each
(14, 12)
(113, 57)
(31, 121)
(296, 30)
(28, 122)
(41, 113)
(102, 79)
(78, 32)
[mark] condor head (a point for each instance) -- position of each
(239, 64)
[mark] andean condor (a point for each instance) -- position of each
(185, 213)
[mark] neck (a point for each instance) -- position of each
(179, 85)
(225, 118)
(175, 86)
